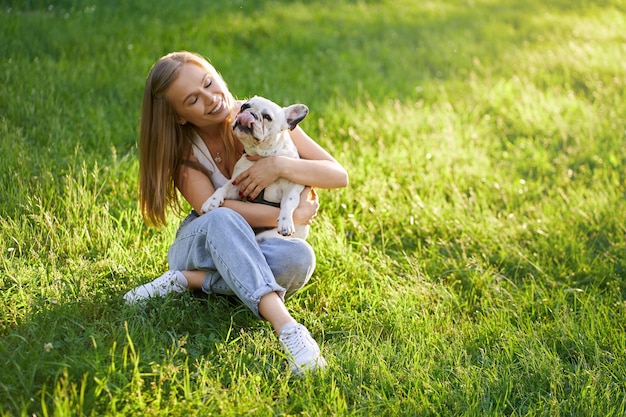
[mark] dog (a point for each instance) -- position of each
(263, 127)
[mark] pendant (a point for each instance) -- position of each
(218, 158)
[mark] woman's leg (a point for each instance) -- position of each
(222, 243)
(271, 306)
(292, 262)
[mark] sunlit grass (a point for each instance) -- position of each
(475, 265)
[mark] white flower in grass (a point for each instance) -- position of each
(48, 347)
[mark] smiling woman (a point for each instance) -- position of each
(196, 90)
(204, 96)
(187, 108)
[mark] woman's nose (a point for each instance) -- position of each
(209, 98)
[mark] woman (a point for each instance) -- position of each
(186, 144)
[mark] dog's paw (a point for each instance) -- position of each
(211, 203)
(286, 227)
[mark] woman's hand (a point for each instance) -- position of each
(307, 209)
(253, 180)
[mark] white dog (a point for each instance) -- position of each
(262, 126)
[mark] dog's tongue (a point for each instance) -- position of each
(245, 118)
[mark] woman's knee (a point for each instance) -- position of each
(223, 218)
(292, 262)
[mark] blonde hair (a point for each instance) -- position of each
(163, 142)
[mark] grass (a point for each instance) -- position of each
(475, 265)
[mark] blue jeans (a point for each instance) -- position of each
(222, 243)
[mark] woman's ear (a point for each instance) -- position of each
(182, 121)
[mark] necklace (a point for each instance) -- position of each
(218, 158)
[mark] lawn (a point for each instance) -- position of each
(475, 266)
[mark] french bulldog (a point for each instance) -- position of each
(263, 127)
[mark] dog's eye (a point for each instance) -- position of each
(244, 106)
(267, 117)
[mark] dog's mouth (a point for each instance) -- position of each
(242, 128)
(244, 122)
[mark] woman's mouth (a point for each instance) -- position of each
(217, 108)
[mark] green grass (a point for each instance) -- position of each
(475, 266)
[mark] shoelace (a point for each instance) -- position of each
(294, 341)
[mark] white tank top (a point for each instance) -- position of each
(202, 154)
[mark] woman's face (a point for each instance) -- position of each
(197, 97)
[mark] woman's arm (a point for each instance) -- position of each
(316, 168)
(263, 215)
(197, 187)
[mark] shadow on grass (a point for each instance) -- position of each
(88, 352)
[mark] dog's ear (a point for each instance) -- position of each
(295, 114)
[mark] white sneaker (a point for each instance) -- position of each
(302, 350)
(171, 281)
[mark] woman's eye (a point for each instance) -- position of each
(208, 83)
(267, 117)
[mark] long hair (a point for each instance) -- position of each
(163, 142)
